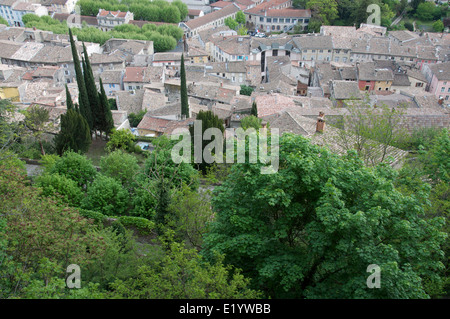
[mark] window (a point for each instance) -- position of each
(273, 27)
(306, 20)
(288, 20)
(261, 19)
(445, 83)
(269, 19)
(294, 21)
(278, 27)
(442, 89)
(313, 51)
(281, 20)
(321, 51)
(275, 20)
(448, 90)
(130, 87)
(446, 98)
(274, 52)
(419, 84)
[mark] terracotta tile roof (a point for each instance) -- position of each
(129, 102)
(441, 71)
(111, 76)
(232, 45)
(367, 71)
(220, 4)
(24, 6)
(265, 6)
(115, 57)
(213, 16)
(273, 103)
(53, 54)
(193, 12)
(167, 56)
(313, 42)
(289, 13)
(153, 124)
(116, 14)
(8, 48)
(45, 71)
(134, 74)
(345, 90)
(92, 21)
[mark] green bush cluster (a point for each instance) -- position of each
(164, 37)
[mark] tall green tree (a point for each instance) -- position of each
(69, 102)
(254, 110)
(74, 134)
(83, 99)
(91, 88)
(208, 120)
(106, 122)
(183, 90)
(37, 120)
(324, 10)
(313, 229)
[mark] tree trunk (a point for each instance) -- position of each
(42, 147)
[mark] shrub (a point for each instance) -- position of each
(144, 225)
(107, 196)
(98, 218)
(76, 167)
(52, 184)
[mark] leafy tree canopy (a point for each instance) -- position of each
(313, 228)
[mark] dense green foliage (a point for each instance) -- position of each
(251, 122)
(164, 36)
(312, 229)
(135, 119)
(246, 90)
(75, 167)
(156, 10)
(121, 139)
(107, 196)
(74, 135)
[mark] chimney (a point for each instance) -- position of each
(320, 126)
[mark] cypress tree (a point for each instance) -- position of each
(183, 90)
(74, 134)
(209, 120)
(106, 120)
(91, 89)
(83, 99)
(254, 110)
(69, 102)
